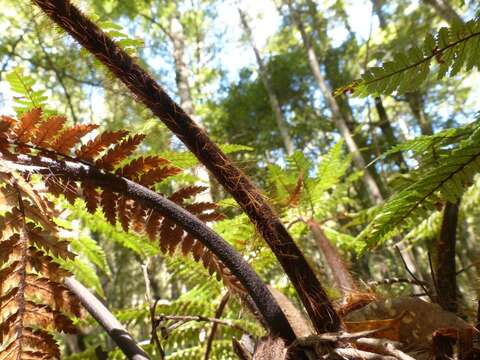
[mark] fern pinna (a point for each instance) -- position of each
(32, 294)
(452, 48)
(109, 151)
(448, 160)
(33, 300)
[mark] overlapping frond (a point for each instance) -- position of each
(453, 49)
(111, 151)
(33, 302)
(447, 169)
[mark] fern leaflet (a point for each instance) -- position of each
(453, 48)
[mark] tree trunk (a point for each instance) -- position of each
(377, 8)
(387, 131)
(445, 10)
(265, 77)
(445, 267)
(181, 78)
(339, 121)
(416, 104)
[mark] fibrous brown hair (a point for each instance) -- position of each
(147, 91)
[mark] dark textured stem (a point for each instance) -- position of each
(445, 268)
(265, 302)
(106, 319)
(147, 91)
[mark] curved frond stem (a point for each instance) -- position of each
(242, 189)
(265, 302)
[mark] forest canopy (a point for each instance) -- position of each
(223, 179)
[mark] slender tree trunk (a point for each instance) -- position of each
(377, 8)
(181, 70)
(416, 103)
(445, 10)
(266, 80)
(339, 121)
(445, 267)
(385, 126)
(387, 132)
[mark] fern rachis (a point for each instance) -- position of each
(104, 187)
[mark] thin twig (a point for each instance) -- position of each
(395, 280)
(179, 320)
(384, 346)
(152, 305)
(213, 331)
(427, 291)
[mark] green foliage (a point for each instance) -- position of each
(313, 191)
(185, 159)
(446, 170)
(23, 85)
(97, 223)
(453, 49)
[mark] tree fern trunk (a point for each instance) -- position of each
(338, 268)
(416, 103)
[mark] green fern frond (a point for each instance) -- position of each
(428, 229)
(426, 143)
(97, 223)
(444, 180)
(86, 247)
(343, 240)
(23, 85)
(84, 273)
(453, 49)
(332, 168)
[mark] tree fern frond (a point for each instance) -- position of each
(94, 147)
(33, 301)
(454, 48)
(131, 214)
(97, 222)
(444, 181)
(119, 152)
(49, 129)
(332, 168)
(26, 127)
(426, 147)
